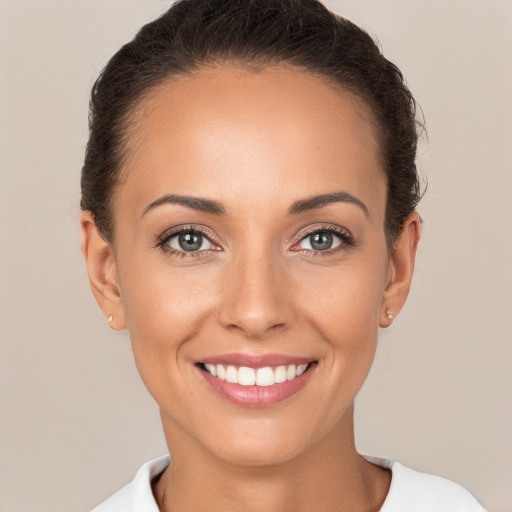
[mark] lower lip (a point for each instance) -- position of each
(257, 396)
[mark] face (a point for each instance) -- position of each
(251, 265)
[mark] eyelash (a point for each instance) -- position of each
(164, 239)
(347, 241)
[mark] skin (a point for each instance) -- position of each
(256, 143)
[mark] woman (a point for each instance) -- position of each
(248, 197)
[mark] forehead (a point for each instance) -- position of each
(228, 133)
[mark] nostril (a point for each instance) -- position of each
(254, 328)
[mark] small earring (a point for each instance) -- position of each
(389, 314)
(110, 318)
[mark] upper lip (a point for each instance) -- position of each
(255, 361)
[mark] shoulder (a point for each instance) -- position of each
(413, 491)
(137, 495)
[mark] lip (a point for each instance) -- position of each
(256, 361)
(257, 396)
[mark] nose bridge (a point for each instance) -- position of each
(254, 295)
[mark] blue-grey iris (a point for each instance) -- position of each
(321, 241)
(190, 241)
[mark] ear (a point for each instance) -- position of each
(102, 271)
(400, 270)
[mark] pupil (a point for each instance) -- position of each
(190, 241)
(321, 241)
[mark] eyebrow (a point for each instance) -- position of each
(312, 203)
(196, 203)
(216, 208)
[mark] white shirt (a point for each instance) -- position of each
(410, 491)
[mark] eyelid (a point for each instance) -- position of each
(347, 240)
(206, 232)
(174, 239)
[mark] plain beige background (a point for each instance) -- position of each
(76, 422)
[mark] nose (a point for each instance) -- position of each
(256, 297)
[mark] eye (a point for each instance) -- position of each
(320, 241)
(189, 241)
(326, 239)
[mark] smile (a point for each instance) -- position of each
(256, 381)
(247, 376)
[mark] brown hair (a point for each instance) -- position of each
(300, 33)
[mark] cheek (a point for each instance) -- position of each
(345, 311)
(345, 303)
(164, 308)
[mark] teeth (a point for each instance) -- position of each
(301, 369)
(212, 369)
(221, 372)
(231, 375)
(246, 376)
(265, 376)
(280, 374)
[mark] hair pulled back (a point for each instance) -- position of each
(201, 33)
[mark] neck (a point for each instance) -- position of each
(327, 476)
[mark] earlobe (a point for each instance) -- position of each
(401, 268)
(102, 271)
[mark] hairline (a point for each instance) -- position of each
(130, 118)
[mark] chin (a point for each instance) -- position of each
(261, 452)
(261, 443)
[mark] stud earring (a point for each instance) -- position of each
(389, 314)
(110, 318)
